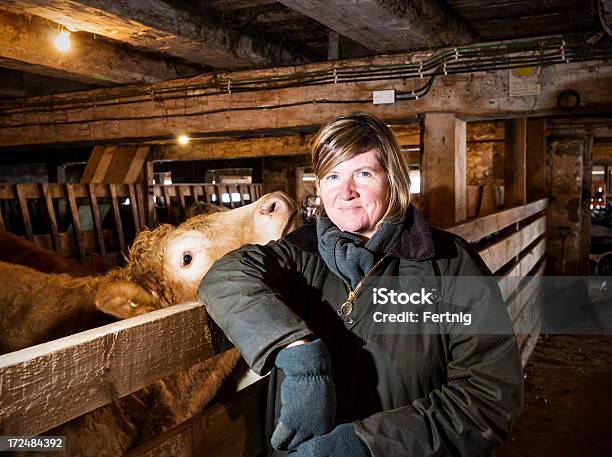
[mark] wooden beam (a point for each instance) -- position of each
(286, 145)
(35, 398)
(26, 43)
(536, 159)
(474, 231)
(162, 110)
(443, 169)
(115, 164)
(157, 26)
(15, 83)
(387, 25)
(515, 163)
(502, 252)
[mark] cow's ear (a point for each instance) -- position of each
(124, 299)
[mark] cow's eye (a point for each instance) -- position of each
(187, 259)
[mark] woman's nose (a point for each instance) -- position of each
(348, 191)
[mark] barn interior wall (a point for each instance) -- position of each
(279, 173)
(485, 153)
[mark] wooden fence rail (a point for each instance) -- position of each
(106, 363)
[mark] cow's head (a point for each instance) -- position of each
(166, 265)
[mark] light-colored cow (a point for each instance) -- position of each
(164, 267)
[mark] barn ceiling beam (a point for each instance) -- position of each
(163, 110)
(286, 145)
(15, 83)
(390, 25)
(26, 44)
(156, 26)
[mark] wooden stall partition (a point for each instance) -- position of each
(513, 244)
(35, 212)
(171, 199)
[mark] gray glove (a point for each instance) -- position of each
(307, 394)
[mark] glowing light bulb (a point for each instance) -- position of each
(183, 139)
(62, 42)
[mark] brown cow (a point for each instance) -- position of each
(165, 266)
(14, 249)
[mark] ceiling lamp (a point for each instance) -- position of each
(183, 139)
(62, 41)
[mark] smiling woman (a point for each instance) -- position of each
(296, 308)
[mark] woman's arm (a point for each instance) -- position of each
(245, 294)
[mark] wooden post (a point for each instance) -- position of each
(536, 159)
(95, 212)
(515, 163)
(149, 190)
(52, 219)
(443, 169)
(23, 206)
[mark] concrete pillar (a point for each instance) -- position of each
(443, 169)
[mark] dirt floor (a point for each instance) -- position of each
(568, 400)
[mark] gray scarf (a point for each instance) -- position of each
(347, 255)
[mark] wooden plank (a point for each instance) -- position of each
(515, 163)
(497, 255)
(76, 222)
(244, 190)
(508, 283)
(140, 205)
(117, 217)
(476, 230)
(95, 212)
(232, 428)
(51, 214)
(443, 169)
(226, 190)
(195, 192)
(25, 213)
(134, 207)
(536, 158)
(167, 202)
(149, 188)
(523, 296)
(209, 191)
(97, 367)
(126, 164)
(98, 164)
(270, 146)
(181, 198)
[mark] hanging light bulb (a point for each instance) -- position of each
(183, 139)
(62, 42)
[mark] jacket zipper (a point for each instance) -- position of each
(347, 306)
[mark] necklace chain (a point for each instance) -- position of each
(347, 306)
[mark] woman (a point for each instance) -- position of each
(341, 383)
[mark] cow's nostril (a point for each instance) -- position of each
(269, 207)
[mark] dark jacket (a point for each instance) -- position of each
(447, 393)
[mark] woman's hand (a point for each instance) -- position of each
(340, 442)
(308, 397)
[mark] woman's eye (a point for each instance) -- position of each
(332, 177)
(187, 259)
(364, 174)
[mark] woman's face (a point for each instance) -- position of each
(355, 194)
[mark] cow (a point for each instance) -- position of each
(15, 249)
(164, 267)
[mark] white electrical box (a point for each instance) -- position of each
(381, 97)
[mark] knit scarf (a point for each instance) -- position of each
(347, 255)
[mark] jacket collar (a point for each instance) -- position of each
(416, 242)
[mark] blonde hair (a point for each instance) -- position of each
(345, 137)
